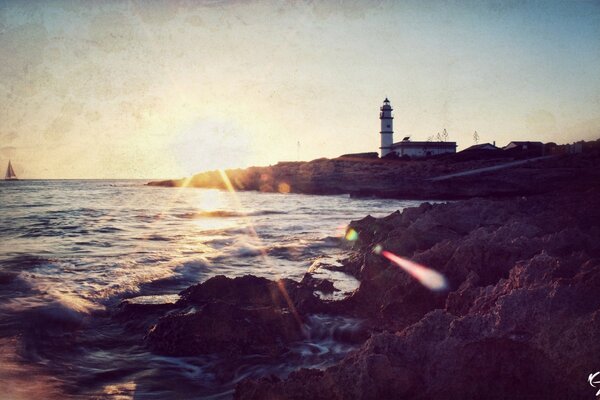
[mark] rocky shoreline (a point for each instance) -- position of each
(520, 317)
(408, 180)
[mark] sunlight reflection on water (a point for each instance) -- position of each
(71, 249)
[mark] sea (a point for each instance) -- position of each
(72, 250)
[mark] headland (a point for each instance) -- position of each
(518, 317)
(446, 177)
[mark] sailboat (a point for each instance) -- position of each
(10, 173)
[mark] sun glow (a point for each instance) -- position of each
(263, 253)
(210, 200)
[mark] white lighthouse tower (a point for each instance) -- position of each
(387, 128)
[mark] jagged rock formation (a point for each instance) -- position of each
(520, 320)
(234, 316)
(520, 317)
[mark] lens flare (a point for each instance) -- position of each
(263, 252)
(429, 278)
(351, 235)
(340, 231)
(284, 187)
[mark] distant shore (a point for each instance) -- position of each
(443, 178)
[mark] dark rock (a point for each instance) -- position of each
(255, 291)
(405, 179)
(141, 312)
(246, 290)
(8, 277)
(322, 285)
(361, 376)
(146, 305)
(520, 320)
(220, 327)
(243, 315)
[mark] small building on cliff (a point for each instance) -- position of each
(406, 147)
(422, 149)
(530, 149)
(483, 146)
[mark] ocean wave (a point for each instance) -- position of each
(303, 249)
(156, 237)
(293, 252)
(331, 241)
(108, 229)
(238, 248)
(153, 278)
(225, 214)
(49, 308)
(26, 262)
(247, 250)
(79, 210)
(176, 276)
(33, 205)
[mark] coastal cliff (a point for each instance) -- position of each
(518, 316)
(442, 178)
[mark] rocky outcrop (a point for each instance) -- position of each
(220, 327)
(244, 315)
(520, 318)
(250, 290)
(366, 177)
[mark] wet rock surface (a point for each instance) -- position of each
(220, 327)
(246, 315)
(253, 291)
(520, 318)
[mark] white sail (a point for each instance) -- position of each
(10, 173)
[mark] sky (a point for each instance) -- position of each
(164, 89)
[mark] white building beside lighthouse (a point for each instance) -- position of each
(407, 148)
(387, 128)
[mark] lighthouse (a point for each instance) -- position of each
(387, 128)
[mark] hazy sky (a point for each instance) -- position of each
(92, 89)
